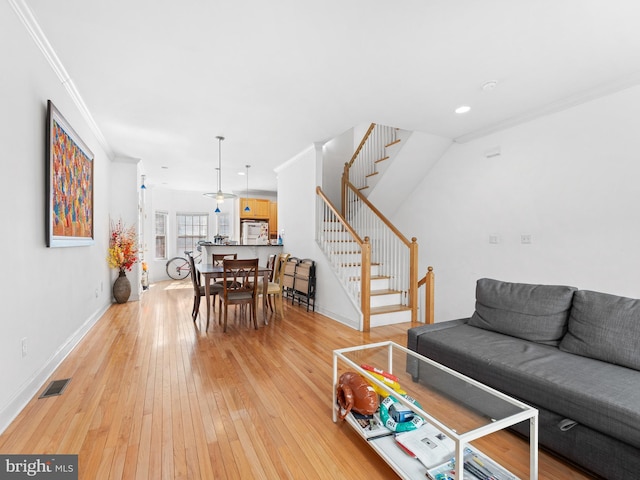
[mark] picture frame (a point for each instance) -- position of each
(70, 184)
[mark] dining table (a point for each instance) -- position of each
(211, 272)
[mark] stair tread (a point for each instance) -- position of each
(385, 291)
(389, 309)
(372, 174)
(392, 143)
(381, 159)
(373, 277)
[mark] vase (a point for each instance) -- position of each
(122, 288)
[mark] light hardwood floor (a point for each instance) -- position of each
(154, 396)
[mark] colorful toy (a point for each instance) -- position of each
(390, 423)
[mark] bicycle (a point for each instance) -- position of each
(178, 268)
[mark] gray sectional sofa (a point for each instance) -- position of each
(572, 354)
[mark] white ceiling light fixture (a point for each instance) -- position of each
(489, 85)
(462, 109)
(220, 195)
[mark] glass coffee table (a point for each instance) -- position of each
(439, 398)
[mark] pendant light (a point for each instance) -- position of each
(247, 209)
(220, 195)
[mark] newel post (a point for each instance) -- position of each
(413, 279)
(365, 285)
(429, 304)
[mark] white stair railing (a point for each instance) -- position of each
(371, 149)
(395, 256)
(338, 241)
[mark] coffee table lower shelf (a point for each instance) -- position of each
(473, 410)
(386, 447)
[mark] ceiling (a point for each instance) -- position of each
(163, 78)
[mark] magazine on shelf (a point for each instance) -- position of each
(477, 466)
(427, 444)
(370, 426)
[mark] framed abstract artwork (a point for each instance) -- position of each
(69, 184)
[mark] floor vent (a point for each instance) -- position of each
(55, 388)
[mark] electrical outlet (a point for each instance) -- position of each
(96, 293)
(493, 238)
(24, 347)
(526, 238)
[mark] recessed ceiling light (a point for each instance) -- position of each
(165, 168)
(463, 109)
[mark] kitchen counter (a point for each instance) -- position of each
(261, 252)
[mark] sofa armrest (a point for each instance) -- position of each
(413, 335)
(415, 332)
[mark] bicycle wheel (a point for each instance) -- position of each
(178, 268)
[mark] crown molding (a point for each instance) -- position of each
(33, 28)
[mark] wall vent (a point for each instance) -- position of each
(55, 388)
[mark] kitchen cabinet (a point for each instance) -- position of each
(273, 219)
(258, 208)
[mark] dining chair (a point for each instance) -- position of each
(239, 287)
(218, 258)
(271, 264)
(199, 291)
(274, 287)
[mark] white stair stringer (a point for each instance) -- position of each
(382, 165)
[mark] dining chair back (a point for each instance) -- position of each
(271, 263)
(275, 287)
(218, 258)
(195, 281)
(240, 281)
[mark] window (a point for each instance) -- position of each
(161, 235)
(223, 224)
(192, 227)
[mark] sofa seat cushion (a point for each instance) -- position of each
(538, 313)
(597, 394)
(605, 327)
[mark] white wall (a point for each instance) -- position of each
(123, 198)
(570, 180)
(50, 296)
(335, 153)
(296, 215)
(418, 153)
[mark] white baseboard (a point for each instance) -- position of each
(349, 322)
(31, 387)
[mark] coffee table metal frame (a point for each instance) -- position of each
(526, 412)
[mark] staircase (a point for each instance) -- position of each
(372, 157)
(375, 263)
(386, 305)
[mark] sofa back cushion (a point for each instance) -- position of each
(605, 327)
(537, 313)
